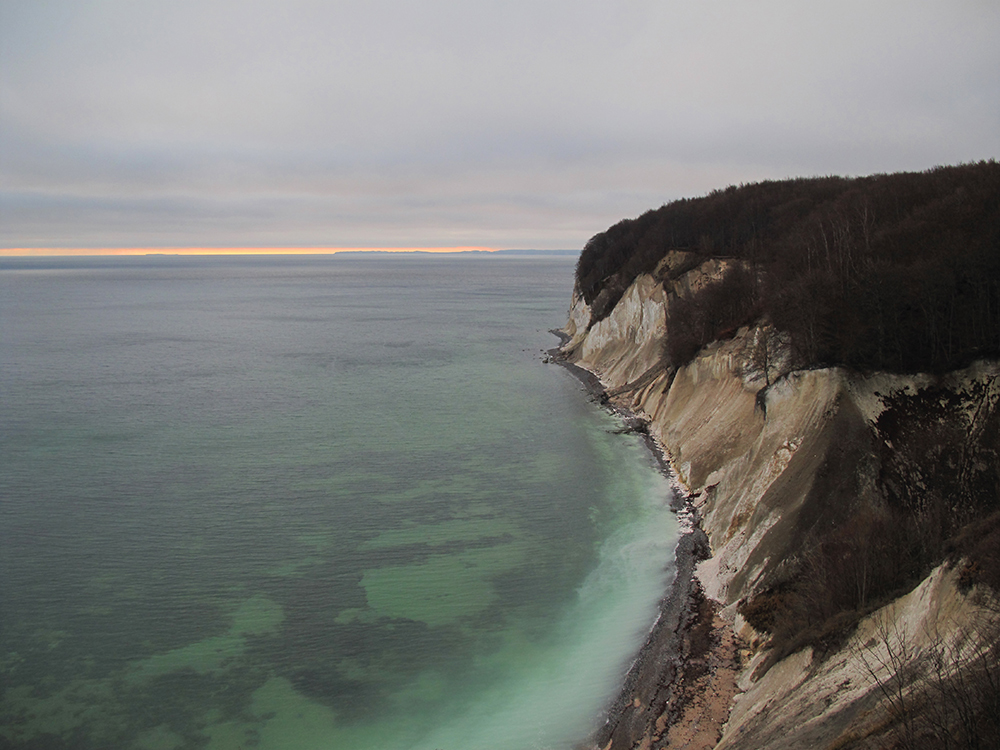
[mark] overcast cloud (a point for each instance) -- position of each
(530, 124)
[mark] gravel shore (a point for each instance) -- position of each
(681, 686)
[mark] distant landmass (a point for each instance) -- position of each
(538, 252)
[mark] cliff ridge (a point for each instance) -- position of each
(850, 510)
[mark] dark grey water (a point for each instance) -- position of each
(310, 502)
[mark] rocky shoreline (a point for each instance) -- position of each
(680, 687)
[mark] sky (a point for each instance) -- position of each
(514, 124)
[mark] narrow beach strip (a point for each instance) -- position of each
(679, 689)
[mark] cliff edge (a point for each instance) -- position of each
(852, 512)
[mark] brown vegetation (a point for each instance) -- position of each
(893, 272)
(934, 495)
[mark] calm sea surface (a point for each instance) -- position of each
(308, 503)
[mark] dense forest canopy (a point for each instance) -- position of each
(896, 272)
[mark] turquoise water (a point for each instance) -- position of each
(311, 502)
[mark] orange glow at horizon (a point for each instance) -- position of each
(57, 251)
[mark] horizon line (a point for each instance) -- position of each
(93, 251)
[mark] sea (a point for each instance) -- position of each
(312, 502)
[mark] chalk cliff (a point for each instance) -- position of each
(777, 462)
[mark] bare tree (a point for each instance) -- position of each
(944, 693)
(892, 661)
(963, 706)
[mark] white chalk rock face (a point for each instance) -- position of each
(756, 461)
(579, 321)
(627, 343)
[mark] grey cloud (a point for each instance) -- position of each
(515, 123)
